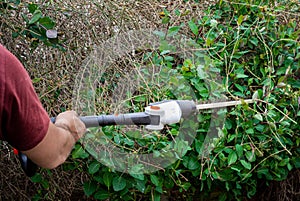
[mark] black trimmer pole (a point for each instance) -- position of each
(140, 118)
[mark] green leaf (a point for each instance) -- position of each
(246, 164)
(193, 27)
(262, 171)
(168, 182)
(129, 141)
(101, 195)
(240, 19)
(257, 94)
(79, 152)
(154, 179)
(32, 7)
(254, 41)
(209, 41)
(36, 178)
(239, 75)
(181, 147)
(241, 88)
(201, 73)
(138, 176)
(89, 188)
(258, 116)
(260, 128)
(250, 156)
(119, 183)
(36, 80)
(159, 189)
(141, 185)
(136, 171)
(36, 16)
(165, 20)
(250, 131)
(107, 179)
(235, 169)
(228, 123)
(296, 162)
(156, 196)
(284, 162)
(15, 34)
(191, 163)
(186, 185)
(232, 157)
(173, 30)
(94, 167)
(165, 52)
(239, 150)
(47, 22)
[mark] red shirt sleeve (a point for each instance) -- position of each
(24, 122)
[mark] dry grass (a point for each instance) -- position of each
(84, 25)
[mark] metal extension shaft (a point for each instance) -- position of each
(222, 104)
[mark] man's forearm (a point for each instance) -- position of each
(54, 149)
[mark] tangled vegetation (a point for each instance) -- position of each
(250, 47)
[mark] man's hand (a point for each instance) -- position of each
(60, 138)
(69, 121)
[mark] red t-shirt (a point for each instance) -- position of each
(23, 120)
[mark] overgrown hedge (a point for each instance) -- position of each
(256, 53)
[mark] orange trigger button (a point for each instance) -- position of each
(154, 107)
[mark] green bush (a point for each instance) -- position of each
(257, 54)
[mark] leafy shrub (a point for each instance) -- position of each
(258, 56)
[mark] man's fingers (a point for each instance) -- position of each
(69, 120)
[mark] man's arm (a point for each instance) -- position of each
(58, 142)
(24, 122)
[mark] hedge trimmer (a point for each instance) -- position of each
(156, 115)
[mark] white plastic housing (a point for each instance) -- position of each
(169, 112)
